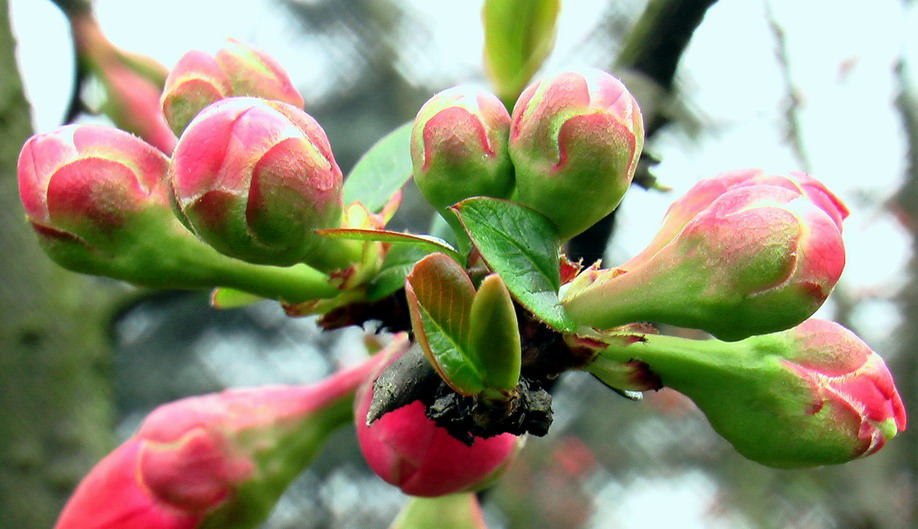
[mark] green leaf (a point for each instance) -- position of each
(382, 171)
(395, 268)
(429, 242)
(495, 336)
(440, 298)
(521, 246)
(519, 34)
(229, 298)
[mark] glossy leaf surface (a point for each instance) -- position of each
(381, 172)
(521, 246)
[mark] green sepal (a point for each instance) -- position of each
(453, 511)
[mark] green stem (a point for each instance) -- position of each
(155, 250)
(336, 254)
(676, 361)
(653, 291)
(295, 284)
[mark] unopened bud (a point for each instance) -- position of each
(407, 449)
(199, 79)
(758, 259)
(459, 147)
(215, 459)
(254, 178)
(811, 395)
(97, 198)
(706, 191)
(81, 184)
(575, 140)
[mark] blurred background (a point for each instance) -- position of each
(823, 86)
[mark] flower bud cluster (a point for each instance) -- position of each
(251, 178)
(746, 256)
(569, 150)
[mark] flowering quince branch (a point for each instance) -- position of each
(252, 201)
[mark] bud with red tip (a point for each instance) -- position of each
(97, 198)
(758, 259)
(459, 147)
(219, 460)
(700, 196)
(575, 140)
(811, 395)
(254, 178)
(199, 79)
(81, 184)
(407, 449)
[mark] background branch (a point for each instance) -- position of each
(648, 61)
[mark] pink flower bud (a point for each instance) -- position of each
(80, 184)
(575, 140)
(408, 450)
(200, 79)
(459, 147)
(216, 459)
(758, 259)
(811, 395)
(254, 178)
(97, 198)
(702, 194)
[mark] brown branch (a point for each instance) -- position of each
(651, 50)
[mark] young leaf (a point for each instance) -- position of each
(440, 298)
(428, 242)
(382, 171)
(495, 336)
(521, 246)
(519, 34)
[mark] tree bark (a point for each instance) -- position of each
(55, 388)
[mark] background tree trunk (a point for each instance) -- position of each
(55, 388)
